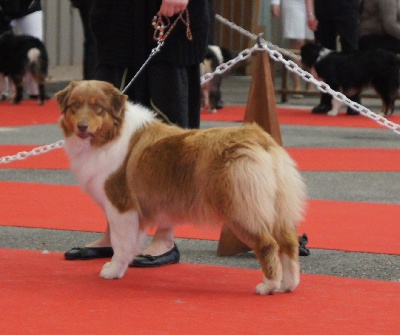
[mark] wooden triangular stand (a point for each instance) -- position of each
(261, 108)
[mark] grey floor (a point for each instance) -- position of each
(380, 187)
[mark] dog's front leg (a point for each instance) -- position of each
(124, 232)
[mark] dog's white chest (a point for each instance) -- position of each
(93, 166)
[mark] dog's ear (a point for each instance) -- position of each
(117, 103)
(63, 95)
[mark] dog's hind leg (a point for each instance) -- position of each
(267, 252)
(39, 78)
(19, 90)
(289, 256)
(279, 259)
(42, 94)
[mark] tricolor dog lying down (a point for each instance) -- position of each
(143, 173)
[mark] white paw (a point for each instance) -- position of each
(268, 287)
(333, 112)
(111, 271)
(288, 285)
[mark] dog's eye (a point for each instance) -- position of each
(98, 108)
(75, 105)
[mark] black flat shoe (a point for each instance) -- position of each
(88, 253)
(148, 261)
(303, 250)
(35, 97)
(321, 109)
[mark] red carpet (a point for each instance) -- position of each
(346, 159)
(308, 159)
(338, 225)
(294, 116)
(28, 112)
(43, 294)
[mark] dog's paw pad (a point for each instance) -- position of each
(109, 272)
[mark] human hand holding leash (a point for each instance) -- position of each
(171, 7)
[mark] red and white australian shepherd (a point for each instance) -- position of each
(143, 173)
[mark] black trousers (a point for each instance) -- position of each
(170, 89)
(337, 18)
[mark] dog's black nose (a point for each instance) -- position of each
(82, 127)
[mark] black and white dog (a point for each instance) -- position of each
(351, 73)
(20, 54)
(211, 90)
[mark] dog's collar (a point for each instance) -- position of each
(323, 53)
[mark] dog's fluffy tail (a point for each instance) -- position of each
(265, 185)
(291, 189)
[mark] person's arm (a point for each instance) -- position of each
(171, 7)
(311, 18)
(276, 7)
(388, 17)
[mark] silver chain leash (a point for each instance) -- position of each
(153, 52)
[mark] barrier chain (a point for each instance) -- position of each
(34, 152)
(276, 54)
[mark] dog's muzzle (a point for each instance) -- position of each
(83, 130)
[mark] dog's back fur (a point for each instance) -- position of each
(20, 54)
(356, 71)
(143, 172)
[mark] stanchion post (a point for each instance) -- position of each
(261, 108)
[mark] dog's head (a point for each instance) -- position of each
(310, 52)
(91, 110)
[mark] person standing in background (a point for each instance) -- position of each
(4, 27)
(169, 84)
(89, 49)
(330, 19)
(294, 26)
(380, 25)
